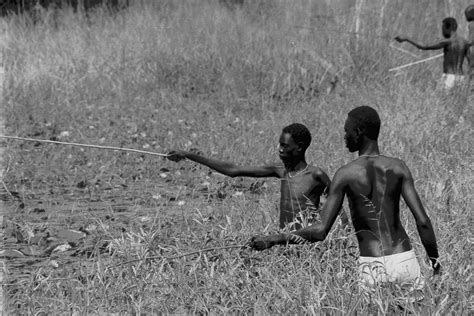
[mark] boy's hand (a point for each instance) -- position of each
(436, 268)
(400, 39)
(261, 242)
(176, 155)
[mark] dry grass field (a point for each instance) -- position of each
(91, 231)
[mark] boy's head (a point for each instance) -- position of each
(450, 25)
(294, 140)
(361, 121)
(469, 12)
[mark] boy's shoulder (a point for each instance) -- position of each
(316, 172)
(315, 169)
(279, 169)
(312, 170)
(459, 40)
(357, 166)
(464, 40)
(471, 30)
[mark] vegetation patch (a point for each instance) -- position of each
(95, 231)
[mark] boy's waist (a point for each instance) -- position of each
(400, 255)
(376, 248)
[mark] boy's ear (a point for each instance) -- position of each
(300, 146)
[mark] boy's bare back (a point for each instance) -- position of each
(469, 13)
(456, 49)
(373, 186)
(471, 49)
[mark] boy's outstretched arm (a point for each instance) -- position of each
(423, 222)
(439, 45)
(224, 167)
(314, 233)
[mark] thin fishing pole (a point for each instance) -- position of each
(387, 38)
(83, 145)
(178, 256)
(415, 63)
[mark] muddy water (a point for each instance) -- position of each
(66, 228)
(53, 230)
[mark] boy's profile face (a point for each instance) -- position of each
(288, 148)
(446, 31)
(351, 135)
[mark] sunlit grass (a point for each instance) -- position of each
(188, 76)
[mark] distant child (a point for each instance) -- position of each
(455, 49)
(469, 12)
(301, 184)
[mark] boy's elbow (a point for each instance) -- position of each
(232, 172)
(424, 224)
(320, 236)
(318, 233)
(228, 169)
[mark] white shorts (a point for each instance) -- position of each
(401, 268)
(449, 81)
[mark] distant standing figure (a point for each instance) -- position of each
(469, 12)
(455, 49)
(373, 184)
(301, 184)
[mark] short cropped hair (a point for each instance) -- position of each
(366, 118)
(469, 12)
(450, 24)
(300, 133)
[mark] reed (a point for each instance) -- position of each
(193, 74)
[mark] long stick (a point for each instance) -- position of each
(83, 145)
(415, 62)
(389, 38)
(404, 51)
(178, 256)
(358, 9)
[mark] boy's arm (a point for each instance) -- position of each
(423, 222)
(316, 232)
(439, 45)
(226, 168)
(322, 177)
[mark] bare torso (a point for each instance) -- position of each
(374, 190)
(298, 192)
(454, 54)
(471, 50)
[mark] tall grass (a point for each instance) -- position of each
(194, 74)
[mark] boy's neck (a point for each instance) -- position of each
(369, 148)
(296, 165)
(452, 35)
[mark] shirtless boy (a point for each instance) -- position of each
(455, 49)
(469, 12)
(373, 184)
(301, 184)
